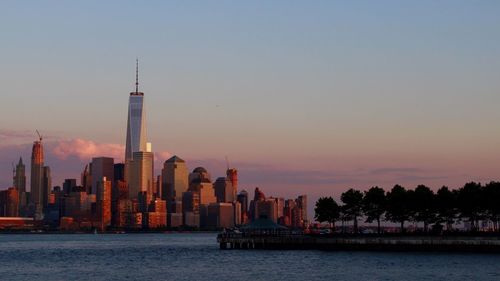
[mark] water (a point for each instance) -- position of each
(197, 257)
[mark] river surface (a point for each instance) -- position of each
(197, 257)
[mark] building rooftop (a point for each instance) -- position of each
(200, 170)
(175, 159)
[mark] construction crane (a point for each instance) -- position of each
(39, 136)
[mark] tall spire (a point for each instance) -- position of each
(136, 75)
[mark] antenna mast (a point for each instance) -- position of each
(136, 75)
(227, 162)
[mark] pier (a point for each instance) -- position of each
(290, 241)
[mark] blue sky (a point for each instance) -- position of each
(305, 88)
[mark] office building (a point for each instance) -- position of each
(37, 192)
(175, 177)
(141, 174)
(220, 215)
(19, 182)
(101, 167)
(224, 190)
(9, 202)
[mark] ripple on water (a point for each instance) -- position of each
(197, 257)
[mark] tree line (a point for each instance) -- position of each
(471, 203)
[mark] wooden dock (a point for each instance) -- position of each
(359, 243)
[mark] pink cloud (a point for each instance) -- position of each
(86, 149)
(160, 157)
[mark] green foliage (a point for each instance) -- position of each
(398, 205)
(424, 205)
(327, 210)
(473, 203)
(353, 204)
(374, 204)
(446, 206)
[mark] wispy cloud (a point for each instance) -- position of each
(393, 170)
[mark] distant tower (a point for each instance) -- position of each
(175, 175)
(20, 176)
(37, 194)
(86, 180)
(136, 122)
(46, 185)
(140, 173)
(101, 167)
(103, 202)
(136, 170)
(20, 184)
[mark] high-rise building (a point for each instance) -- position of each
(200, 183)
(232, 175)
(46, 185)
(156, 215)
(157, 186)
(119, 172)
(267, 208)
(86, 179)
(220, 215)
(243, 200)
(175, 177)
(20, 184)
(141, 174)
(9, 202)
(302, 204)
(37, 194)
(103, 202)
(138, 155)
(224, 190)
(136, 122)
(258, 196)
(101, 167)
(136, 128)
(69, 185)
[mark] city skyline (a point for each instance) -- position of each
(318, 103)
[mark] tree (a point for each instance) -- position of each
(491, 201)
(446, 207)
(398, 205)
(353, 203)
(327, 210)
(469, 203)
(374, 203)
(424, 205)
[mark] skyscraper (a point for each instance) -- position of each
(136, 123)
(37, 193)
(232, 175)
(46, 185)
(175, 177)
(20, 184)
(103, 202)
(224, 190)
(140, 173)
(101, 167)
(86, 180)
(137, 170)
(20, 176)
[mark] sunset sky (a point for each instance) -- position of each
(303, 96)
